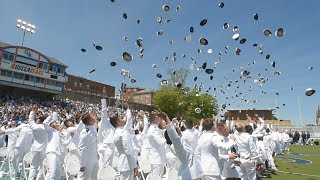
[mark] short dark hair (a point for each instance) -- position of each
(85, 118)
(248, 129)
(207, 124)
(42, 118)
(113, 120)
(189, 124)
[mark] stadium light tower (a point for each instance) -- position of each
(124, 73)
(26, 28)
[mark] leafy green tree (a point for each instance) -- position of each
(167, 98)
(207, 104)
(183, 102)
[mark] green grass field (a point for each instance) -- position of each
(297, 171)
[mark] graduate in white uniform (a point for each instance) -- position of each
(157, 151)
(88, 153)
(269, 146)
(127, 161)
(190, 167)
(22, 146)
(105, 137)
(39, 144)
(53, 151)
(12, 138)
(191, 134)
(247, 148)
(145, 145)
(207, 150)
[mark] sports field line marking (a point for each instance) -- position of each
(299, 174)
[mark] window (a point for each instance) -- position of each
(9, 73)
(21, 76)
(32, 78)
(62, 71)
(16, 75)
(59, 84)
(40, 65)
(80, 84)
(54, 68)
(8, 56)
(76, 84)
(37, 80)
(45, 66)
(59, 70)
(26, 77)
(88, 86)
(3, 72)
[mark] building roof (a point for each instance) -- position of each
(53, 60)
(145, 91)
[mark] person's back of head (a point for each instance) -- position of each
(240, 128)
(248, 129)
(189, 124)
(208, 124)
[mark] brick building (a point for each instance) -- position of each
(79, 84)
(144, 97)
(130, 91)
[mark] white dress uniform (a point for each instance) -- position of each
(12, 138)
(53, 152)
(276, 139)
(22, 146)
(269, 146)
(190, 167)
(38, 147)
(126, 159)
(88, 153)
(145, 147)
(191, 136)
(248, 154)
(157, 151)
(207, 151)
(105, 137)
(229, 168)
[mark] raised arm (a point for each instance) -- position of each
(128, 125)
(105, 123)
(31, 118)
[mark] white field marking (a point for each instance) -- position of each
(299, 174)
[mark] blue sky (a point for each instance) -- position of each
(64, 27)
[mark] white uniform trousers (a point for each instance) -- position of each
(5, 165)
(126, 175)
(18, 154)
(91, 170)
(157, 169)
(54, 167)
(249, 168)
(36, 165)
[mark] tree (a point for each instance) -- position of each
(177, 102)
(207, 104)
(167, 98)
(178, 76)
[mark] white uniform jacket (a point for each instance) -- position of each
(207, 151)
(157, 142)
(190, 167)
(39, 133)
